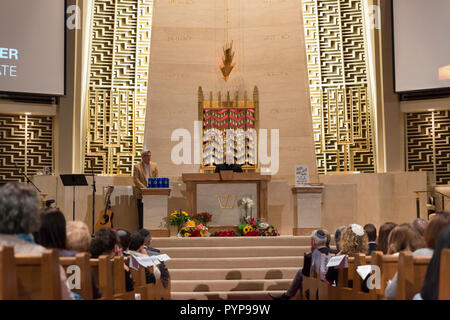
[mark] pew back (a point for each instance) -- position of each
(38, 276)
(8, 278)
(81, 260)
(410, 276)
(444, 275)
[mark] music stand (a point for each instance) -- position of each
(73, 180)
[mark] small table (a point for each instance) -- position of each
(155, 202)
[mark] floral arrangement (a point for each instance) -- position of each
(229, 233)
(192, 230)
(203, 218)
(251, 227)
(179, 218)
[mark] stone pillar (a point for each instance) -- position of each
(308, 209)
(155, 202)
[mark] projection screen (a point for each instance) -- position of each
(421, 44)
(32, 46)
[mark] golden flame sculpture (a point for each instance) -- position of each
(227, 60)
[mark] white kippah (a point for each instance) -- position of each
(357, 229)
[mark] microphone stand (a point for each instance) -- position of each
(93, 199)
(28, 179)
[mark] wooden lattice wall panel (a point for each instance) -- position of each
(428, 143)
(341, 108)
(36, 153)
(118, 84)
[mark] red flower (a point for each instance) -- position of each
(195, 233)
(253, 222)
(252, 234)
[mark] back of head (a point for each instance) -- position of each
(319, 237)
(52, 233)
(371, 232)
(147, 236)
(420, 225)
(19, 209)
(383, 235)
(354, 240)
(103, 242)
(337, 236)
(404, 237)
(136, 241)
(430, 288)
(78, 236)
(438, 223)
(124, 237)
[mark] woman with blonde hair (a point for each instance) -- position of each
(353, 240)
(78, 236)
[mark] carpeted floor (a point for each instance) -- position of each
(232, 267)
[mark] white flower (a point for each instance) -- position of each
(263, 225)
(357, 229)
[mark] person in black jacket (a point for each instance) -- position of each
(318, 241)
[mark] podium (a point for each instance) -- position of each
(155, 201)
(73, 180)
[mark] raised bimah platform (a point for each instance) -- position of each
(219, 194)
(155, 201)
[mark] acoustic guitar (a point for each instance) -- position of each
(106, 215)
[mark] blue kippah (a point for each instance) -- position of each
(320, 234)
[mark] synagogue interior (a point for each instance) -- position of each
(225, 149)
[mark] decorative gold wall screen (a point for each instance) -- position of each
(117, 98)
(340, 99)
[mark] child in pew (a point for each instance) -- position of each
(78, 240)
(409, 239)
(383, 235)
(19, 218)
(165, 275)
(353, 240)
(430, 288)
(137, 245)
(106, 242)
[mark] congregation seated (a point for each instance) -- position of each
(406, 237)
(430, 289)
(106, 242)
(19, 219)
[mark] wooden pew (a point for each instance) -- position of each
(388, 268)
(38, 276)
(140, 286)
(410, 275)
(444, 276)
(8, 278)
(82, 261)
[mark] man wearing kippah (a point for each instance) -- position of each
(141, 172)
(318, 247)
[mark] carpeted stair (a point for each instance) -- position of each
(232, 268)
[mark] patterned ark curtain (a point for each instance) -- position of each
(338, 78)
(118, 81)
(229, 125)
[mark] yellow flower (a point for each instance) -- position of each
(185, 213)
(190, 223)
(247, 229)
